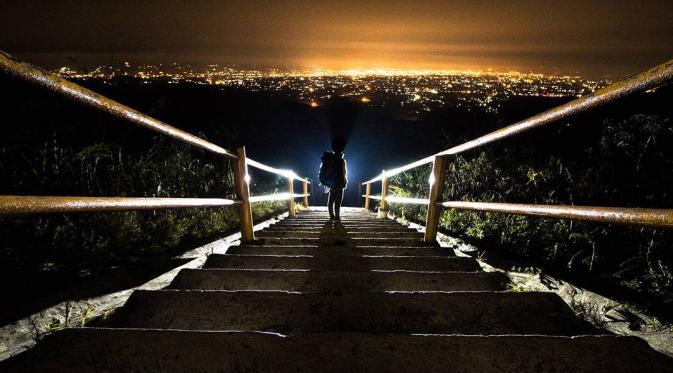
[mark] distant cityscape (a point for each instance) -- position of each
(415, 91)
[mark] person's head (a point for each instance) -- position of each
(338, 145)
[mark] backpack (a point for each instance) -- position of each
(330, 170)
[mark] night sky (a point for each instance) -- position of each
(593, 38)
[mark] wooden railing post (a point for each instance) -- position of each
(243, 193)
(436, 190)
(368, 191)
(306, 193)
(290, 202)
(383, 210)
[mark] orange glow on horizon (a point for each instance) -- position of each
(357, 73)
(368, 62)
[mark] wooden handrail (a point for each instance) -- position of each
(368, 192)
(306, 194)
(436, 191)
(277, 171)
(242, 185)
(401, 199)
(654, 218)
(399, 170)
(87, 97)
(645, 81)
(276, 197)
(290, 192)
(12, 205)
(28, 205)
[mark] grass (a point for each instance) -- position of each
(516, 288)
(588, 311)
(93, 242)
(625, 162)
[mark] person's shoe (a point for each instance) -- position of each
(336, 218)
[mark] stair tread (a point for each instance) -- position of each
(359, 295)
(94, 349)
(336, 281)
(318, 233)
(428, 263)
(293, 313)
(381, 250)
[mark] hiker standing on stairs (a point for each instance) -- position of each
(333, 176)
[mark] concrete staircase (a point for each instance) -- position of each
(359, 295)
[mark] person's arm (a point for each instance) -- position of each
(345, 174)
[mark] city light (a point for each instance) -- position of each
(417, 91)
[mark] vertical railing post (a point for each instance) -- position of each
(383, 210)
(436, 190)
(368, 191)
(306, 193)
(241, 179)
(290, 202)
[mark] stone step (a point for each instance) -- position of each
(473, 313)
(356, 213)
(405, 250)
(326, 218)
(357, 216)
(288, 234)
(383, 227)
(362, 227)
(134, 350)
(323, 223)
(298, 227)
(386, 234)
(235, 261)
(283, 227)
(399, 228)
(292, 241)
(336, 281)
(391, 242)
(318, 233)
(408, 263)
(363, 250)
(273, 250)
(344, 219)
(324, 228)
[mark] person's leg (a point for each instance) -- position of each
(338, 198)
(330, 203)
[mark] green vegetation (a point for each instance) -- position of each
(516, 288)
(625, 163)
(588, 311)
(95, 241)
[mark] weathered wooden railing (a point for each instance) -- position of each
(22, 205)
(659, 218)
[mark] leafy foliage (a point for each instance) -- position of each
(90, 241)
(629, 164)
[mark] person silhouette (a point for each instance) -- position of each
(333, 176)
